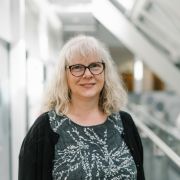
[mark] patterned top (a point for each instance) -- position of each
(91, 152)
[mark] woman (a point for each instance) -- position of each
(82, 133)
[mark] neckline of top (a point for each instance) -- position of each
(85, 126)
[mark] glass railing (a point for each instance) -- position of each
(161, 144)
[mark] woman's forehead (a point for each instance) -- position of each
(83, 58)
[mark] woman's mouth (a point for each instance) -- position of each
(87, 85)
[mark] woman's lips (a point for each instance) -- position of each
(87, 85)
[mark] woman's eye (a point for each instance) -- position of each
(95, 65)
(77, 68)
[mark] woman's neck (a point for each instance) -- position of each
(86, 113)
(85, 106)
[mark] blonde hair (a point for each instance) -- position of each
(113, 96)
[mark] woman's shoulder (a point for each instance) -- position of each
(39, 133)
(128, 121)
(39, 128)
(125, 114)
(41, 121)
(126, 117)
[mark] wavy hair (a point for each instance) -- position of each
(113, 95)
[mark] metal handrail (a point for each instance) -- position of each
(170, 130)
(157, 141)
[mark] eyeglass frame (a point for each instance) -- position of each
(86, 67)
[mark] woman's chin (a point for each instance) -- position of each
(89, 95)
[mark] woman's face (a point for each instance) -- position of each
(87, 86)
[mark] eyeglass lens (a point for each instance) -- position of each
(79, 69)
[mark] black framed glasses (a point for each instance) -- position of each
(79, 69)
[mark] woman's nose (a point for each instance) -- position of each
(87, 73)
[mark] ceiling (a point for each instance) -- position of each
(157, 20)
(145, 29)
(77, 18)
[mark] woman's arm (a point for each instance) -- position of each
(28, 159)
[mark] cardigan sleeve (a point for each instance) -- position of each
(27, 160)
(28, 155)
(37, 151)
(133, 140)
(138, 141)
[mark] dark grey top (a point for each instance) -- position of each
(91, 152)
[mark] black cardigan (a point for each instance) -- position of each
(37, 150)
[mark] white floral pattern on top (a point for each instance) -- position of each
(91, 153)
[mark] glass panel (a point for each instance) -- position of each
(35, 83)
(160, 112)
(4, 114)
(156, 164)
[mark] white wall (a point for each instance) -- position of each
(5, 33)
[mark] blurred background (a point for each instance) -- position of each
(143, 37)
